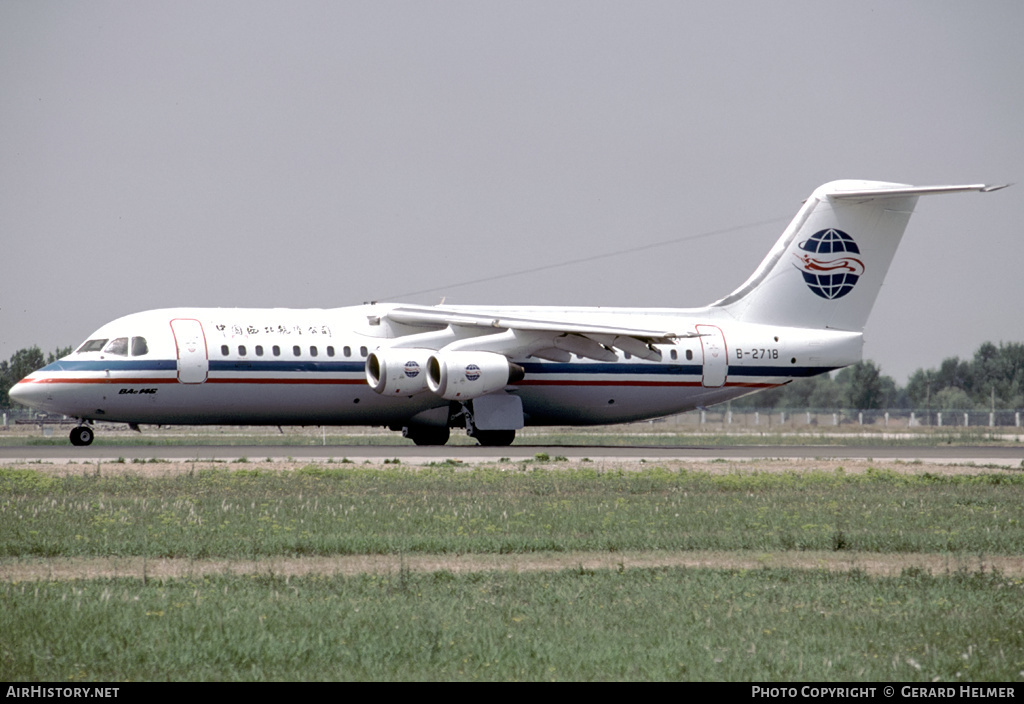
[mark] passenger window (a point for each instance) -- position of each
(330, 350)
(277, 351)
(689, 354)
(259, 350)
(362, 351)
(312, 351)
(93, 345)
(139, 346)
(241, 350)
(297, 351)
(674, 355)
(224, 350)
(118, 346)
(347, 351)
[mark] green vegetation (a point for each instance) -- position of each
(22, 363)
(993, 379)
(257, 512)
(573, 624)
(654, 624)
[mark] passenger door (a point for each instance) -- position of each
(193, 362)
(716, 357)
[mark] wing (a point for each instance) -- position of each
(548, 338)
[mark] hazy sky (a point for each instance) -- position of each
(320, 154)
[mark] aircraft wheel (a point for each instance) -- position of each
(427, 434)
(82, 436)
(495, 438)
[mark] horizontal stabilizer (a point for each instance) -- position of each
(827, 268)
(873, 193)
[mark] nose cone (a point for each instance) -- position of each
(27, 393)
(18, 392)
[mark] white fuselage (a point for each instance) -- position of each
(425, 369)
(306, 367)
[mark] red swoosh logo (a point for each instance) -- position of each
(850, 265)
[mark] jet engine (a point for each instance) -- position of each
(461, 376)
(398, 372)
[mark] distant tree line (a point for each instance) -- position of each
(21, 364)
(993, 379)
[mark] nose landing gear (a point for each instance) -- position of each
(82, 435)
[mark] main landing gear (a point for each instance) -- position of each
(499, 413)
(434, 435)
(427, 434)
(459, 414)
(82, 435)
(492, 438)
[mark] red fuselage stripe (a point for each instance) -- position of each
(355, 382)
(104, 380)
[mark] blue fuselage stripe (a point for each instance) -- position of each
(531, 368)
(286, 366)
(120, 365)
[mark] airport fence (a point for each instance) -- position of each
(16, 415)
(806, 418)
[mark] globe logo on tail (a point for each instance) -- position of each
(827, 264)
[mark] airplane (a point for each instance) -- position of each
(493, 370)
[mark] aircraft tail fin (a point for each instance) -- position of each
(827, 268)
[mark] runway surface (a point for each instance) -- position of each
(1011, 457)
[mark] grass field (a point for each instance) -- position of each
(325, 510)
(460, 594)
(573, 624)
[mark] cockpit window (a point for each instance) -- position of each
(139, 346)
(93, 345)
(118, 346)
